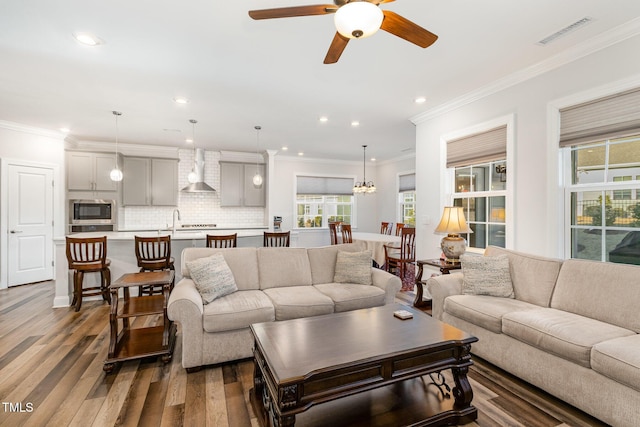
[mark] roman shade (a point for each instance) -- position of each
(478, 148)
(407, 182)
(613, 116)
(324, 186)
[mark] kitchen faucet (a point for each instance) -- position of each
(175, 211)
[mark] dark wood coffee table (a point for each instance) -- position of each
(304, 362)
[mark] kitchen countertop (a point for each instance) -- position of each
(179, 234)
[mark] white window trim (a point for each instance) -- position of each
(559, 178)
(448, 175)
(294, 197)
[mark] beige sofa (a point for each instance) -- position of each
(273, 284)
(571, 330)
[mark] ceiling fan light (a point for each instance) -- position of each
(358, 19)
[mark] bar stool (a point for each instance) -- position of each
(226, 241)
(88, 255)
(153, 254)
(277, 239)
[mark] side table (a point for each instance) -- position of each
(444, 268)
(135, 343)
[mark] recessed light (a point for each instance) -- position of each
(300, 153)
(180, 100)
(285, 148)
(324, 119)
(189, 141)
(420, 100)
(65, 130)
(373, 159)
(88, 39)
(355, 123)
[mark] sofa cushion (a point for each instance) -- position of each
(280, 267)
(299, 301)
(533, 277)
(353, 267)
(212, 276)
(323, 261)
(237, 311)
(347, 297)
(564, 334)
(484, 310)
(618, 359)
(600, 290)
(486, 275)
(242, 261)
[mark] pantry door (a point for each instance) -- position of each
(29, 224)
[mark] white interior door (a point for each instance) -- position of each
(29, 224)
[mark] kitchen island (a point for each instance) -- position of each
(121, 252)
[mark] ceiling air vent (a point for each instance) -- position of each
(566, 30)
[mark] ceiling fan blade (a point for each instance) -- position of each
(335, 50)
(288, 12)
(403, 28)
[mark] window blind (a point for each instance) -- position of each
(407, 182)
(478, 148)
(613, 116)
(326, 186)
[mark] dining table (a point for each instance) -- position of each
(375, 243)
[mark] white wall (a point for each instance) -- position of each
(31, 146)
(387, 184)
(537, 212)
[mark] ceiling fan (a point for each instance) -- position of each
(354, 19)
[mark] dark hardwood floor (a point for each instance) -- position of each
(51, 375)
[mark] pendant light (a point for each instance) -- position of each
(364, 186)
(257, 178)
(193, 176)
(116, 173)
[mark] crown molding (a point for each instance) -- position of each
(134, 150)
(594, 44)
(30, 129)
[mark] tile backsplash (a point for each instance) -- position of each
(195, 208)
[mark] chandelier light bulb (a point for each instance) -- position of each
(359, 19)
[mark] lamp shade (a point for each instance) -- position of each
(358, 19)
(453, 221)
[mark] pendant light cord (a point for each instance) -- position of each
(257, 128)
(117, 114)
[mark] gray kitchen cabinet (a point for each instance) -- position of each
(90, 171)
(149, 182)
(236, 185)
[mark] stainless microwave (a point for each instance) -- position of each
(92, 212)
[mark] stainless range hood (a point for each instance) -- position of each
(199, 186)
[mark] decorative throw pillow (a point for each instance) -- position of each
(486, 275)
(212, 276)
(353, 267)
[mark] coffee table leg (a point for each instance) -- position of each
(462, 392)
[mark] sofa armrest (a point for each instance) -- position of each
(389, 283)
(186, 308)
(441, 287)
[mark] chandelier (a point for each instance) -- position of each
(364, 186)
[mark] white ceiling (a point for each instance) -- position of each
(238, 73)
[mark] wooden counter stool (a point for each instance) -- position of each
(226, 241)
(88, 255)
(153, 254)
(277, 239)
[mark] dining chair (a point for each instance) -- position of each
(346, 233)
(276, 239)
(153, 254)
(399, 227)
(226, 241)
(399, 257)
(88, 255)
(386, 227)
(333, 232)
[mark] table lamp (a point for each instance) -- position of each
(453, 223)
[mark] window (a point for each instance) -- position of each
(605, 211)
(600, 141)
(320, 200)
(478, 168)
(407, 198)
